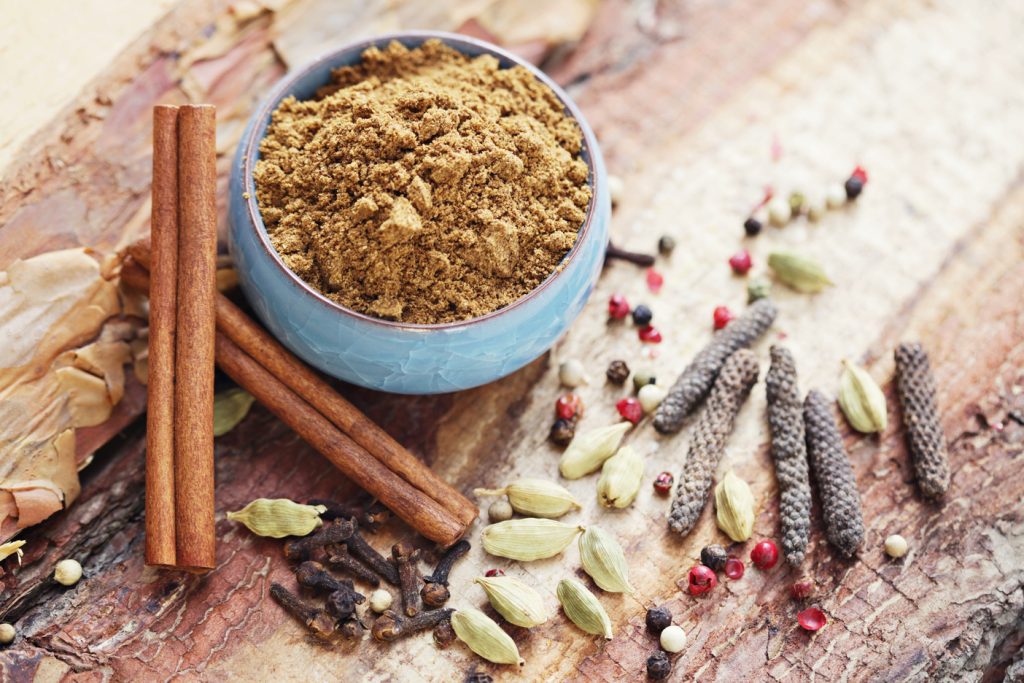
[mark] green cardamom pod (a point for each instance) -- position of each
(588, 451)
(229, 408)
(734, 507)
(279, 517)
(603, 559)
(535, 497)
(517, 602)
(862, 400)
(621, 477)
(583, 608)
(799, 272)
(484, 637)
(528, 539)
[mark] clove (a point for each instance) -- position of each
(435, 588)
(301, 548)
(338, 556)
(391, 625)
(352, 629)
(405, 557)
(444, 634)
(358, 546)
(343, 596)
(614, 252)
(369, 518)
(318, 621)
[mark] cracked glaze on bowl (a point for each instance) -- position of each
(398, 357)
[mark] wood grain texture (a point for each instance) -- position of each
(686, 98)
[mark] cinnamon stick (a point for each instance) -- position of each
(194, 359)
(160, 527)
(260, 345)
(410, 504)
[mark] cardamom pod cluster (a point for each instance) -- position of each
(621, 477)
(696, 380)
(514, 600)
(535, 497)
(229, 408)
(789, 453)
(802, 273)
(837, 487)
(279, 517)
(862, 400)
(588, 451)
(583, 608)
(709, 436)
(604, 560)
(734, 507)
(528, 539)
(483, 636)
(927, 444)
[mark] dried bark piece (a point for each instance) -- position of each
(696, 380)
(840, 500)
(789, 453)
(713, 428)
(927, 444)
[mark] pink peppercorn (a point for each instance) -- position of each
(618, 307)
(722, 316)
(654, 280)
(741, 262)
(663, 483)
(569, 406)
(764, 555)
(860, 174)
(701, 580)
(649, 335)
(802, 588)
(630, 409)
(494, 572)
(734, 568)
(812, 619)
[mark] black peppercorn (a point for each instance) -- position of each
(562, 431)
(642, 316)
(617, 371)
(714, 557)
(666, 244)
(854, 186)
(752, 226)
(658, 619)
(659, 666)
(479, 677)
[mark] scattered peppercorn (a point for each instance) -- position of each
(494, 572)
(642, 316)
(569, 406)
(853, 186)
(630, 409)
(731, 388)
(714, 556)
(752, 226)
(722, 316)
(765, 554)
(837, 487)
(802, 588)
(666, 244)
(618, 307)
(479, 677)
(740, 262)
(734, 568)
(895, 546)
(658, 619)
(659, 666)
(925, 440)
(663, 483)
(835, 196)
(758, 288)
(562, 432)
(650, 335)
(642, 378)
(7, 634)
(499, 511)
(618, 372)
(779, 211)
(811, 619)
(654, 280)
(860, 174)
(701, 579)
(673, 638)
(572, 373)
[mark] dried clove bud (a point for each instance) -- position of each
(613, 252)
(391, 625)
(301, 548)
(435, 590)
(444, 634)
(338, 556)
(319, 622)
(352, 629)
(358, 546)
(405, 557)
(343, 596)
(369, 518)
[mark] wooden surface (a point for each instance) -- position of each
(688, 99)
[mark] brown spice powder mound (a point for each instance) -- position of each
(422, 185)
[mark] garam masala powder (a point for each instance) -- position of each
(423, 186)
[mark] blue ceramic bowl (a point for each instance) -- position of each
(399, 357)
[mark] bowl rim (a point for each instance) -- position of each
(250, 145)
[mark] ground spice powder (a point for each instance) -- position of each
(422, 185)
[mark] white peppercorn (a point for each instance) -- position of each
(895, 546)
(499, 511)
(835, 196)
(650, 397)
(673, 639)
(571, 373)
(7, 634)
(380, 600)
(67, 572)
(779, 211)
